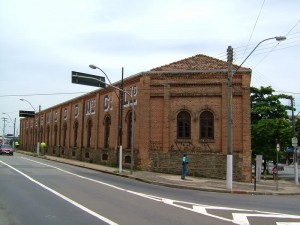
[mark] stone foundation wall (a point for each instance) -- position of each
(200, 164)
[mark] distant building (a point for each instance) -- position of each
(179, 108)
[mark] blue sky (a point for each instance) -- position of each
(42, 41)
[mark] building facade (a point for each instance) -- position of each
(178, 108)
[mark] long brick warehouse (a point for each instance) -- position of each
(179, 108)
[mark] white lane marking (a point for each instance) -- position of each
(288, 223)
(198, 208)
(63, 197)
(242, 218)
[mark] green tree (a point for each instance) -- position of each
(269, 122)
(297, 129)
(265, 105)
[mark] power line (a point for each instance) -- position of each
(276, 45)
(254, 27)
(66, 93)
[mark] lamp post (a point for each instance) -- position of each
(14, 122)
(39, 122)
(132, 118)
(230, 121)
(22, 99)
(277, 151)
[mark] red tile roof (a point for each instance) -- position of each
(197, 62)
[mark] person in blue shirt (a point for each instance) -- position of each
(184, 166)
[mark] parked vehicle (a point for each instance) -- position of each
(6, 149)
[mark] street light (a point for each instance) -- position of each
(277, 148)
(14, 129)
(132, 118)
(92, 66)
(277, 38)
(230, 75)
(22, 99)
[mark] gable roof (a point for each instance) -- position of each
(197, 62)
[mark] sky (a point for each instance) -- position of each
(42, 41)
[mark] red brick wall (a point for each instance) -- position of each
(159, 97)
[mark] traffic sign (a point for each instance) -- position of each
(88, 79)
(23, 113)
(277, 147)
(294, 142)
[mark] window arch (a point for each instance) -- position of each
(107, 123)
(184, 125)
(206, 125)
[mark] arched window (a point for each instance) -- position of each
(64, 134)
(48, 135)
(183, 125)
(89, 133)
(75, 133)
(107, 123)
(55, 134)
(206, 125)
(129, 129)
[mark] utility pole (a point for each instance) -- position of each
(121, 123)
(3, 136)
(294, 139)
(229, 121)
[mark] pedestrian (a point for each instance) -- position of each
(184, 166)
(274, 172)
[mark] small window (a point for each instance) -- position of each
(127, 159)
(206, 125)
(76, 111)
(90, 107)
(183, 125)
(104, 157)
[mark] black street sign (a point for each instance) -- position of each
(23, 113)
(88, 79)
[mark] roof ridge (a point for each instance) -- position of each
(196, 62)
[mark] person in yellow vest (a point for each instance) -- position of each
(17, 144)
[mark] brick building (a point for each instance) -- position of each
(178, 108)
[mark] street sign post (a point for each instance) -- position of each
(277, 151)
(88, 79)
(23, 113)
(295, 144)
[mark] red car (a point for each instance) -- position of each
(6, 149)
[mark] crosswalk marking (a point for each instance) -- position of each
(242, 218)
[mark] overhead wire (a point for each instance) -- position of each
(254, 27)
(276, 44)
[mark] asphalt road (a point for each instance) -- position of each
(34, 191)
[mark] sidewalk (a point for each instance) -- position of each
(263, 187)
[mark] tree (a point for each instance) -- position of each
(269, 122)
(297, 129)
(265, 105)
